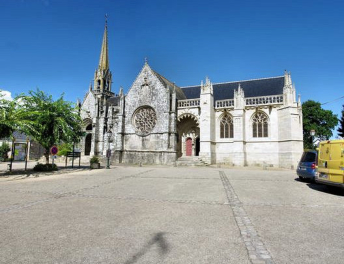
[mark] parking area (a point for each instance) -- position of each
(170, 215)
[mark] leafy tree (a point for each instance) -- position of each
(6, 112)
(4, 148)
(64, 148)
(53, 121)
(12, 117)
(341, 125)
(318, 119)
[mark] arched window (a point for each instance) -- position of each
(226, 127)
(260, 125)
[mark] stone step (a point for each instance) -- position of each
(191, 161)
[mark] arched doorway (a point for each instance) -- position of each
(188, 132)
(188, 147)
(88, 141)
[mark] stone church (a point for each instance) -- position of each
(240, 123)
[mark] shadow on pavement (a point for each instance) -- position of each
(326, 189)
(306, 180)
(61, 169)
(322, 188)
(158, 239)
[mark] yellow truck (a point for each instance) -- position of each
(331, 163)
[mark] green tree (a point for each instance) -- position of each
(318, 119)
(6, 111)
(54, 121)
(4, 148)
(12, 117)
(64, 148)
(341, 125)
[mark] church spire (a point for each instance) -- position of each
(102, 75)
(104, 54)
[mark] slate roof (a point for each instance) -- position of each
(179, 93)
(252, 88)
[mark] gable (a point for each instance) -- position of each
(88, 106)
(148, 92)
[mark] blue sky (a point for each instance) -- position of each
(55, 44)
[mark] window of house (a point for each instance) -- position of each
(260, 125)
(226, 127)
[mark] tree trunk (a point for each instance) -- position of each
(46, 154)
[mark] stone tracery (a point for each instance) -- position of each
(260, 124)
(144, 120)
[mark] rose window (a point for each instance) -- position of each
(144, 120)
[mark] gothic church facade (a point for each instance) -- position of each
(243, 123)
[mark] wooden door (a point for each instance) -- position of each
(188, 147)
(88, 142)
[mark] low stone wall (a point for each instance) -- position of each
(149, 157)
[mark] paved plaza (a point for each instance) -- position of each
(155, 214)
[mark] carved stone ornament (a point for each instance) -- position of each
(144, 120)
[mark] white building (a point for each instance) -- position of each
(242, 123)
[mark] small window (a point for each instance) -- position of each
(226, 127)
(260, 125)
(89, 127)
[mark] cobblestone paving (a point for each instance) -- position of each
(256, 249)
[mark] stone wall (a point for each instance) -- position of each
(149, 157)
(148, 127)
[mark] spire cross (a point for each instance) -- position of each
(106, 16)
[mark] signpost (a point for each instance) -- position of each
(53, 152)
(12, 156)
(27, 151)
(73, 155)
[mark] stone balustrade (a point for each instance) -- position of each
(188, 103)
(224, 103)
(228, 103)
(264, 100)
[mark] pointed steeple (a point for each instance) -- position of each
(104, 54)
(102, 75)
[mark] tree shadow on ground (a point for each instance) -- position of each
(159, 240)
(30, 171)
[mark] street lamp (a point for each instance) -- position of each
(312, 132)
(108, 152)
